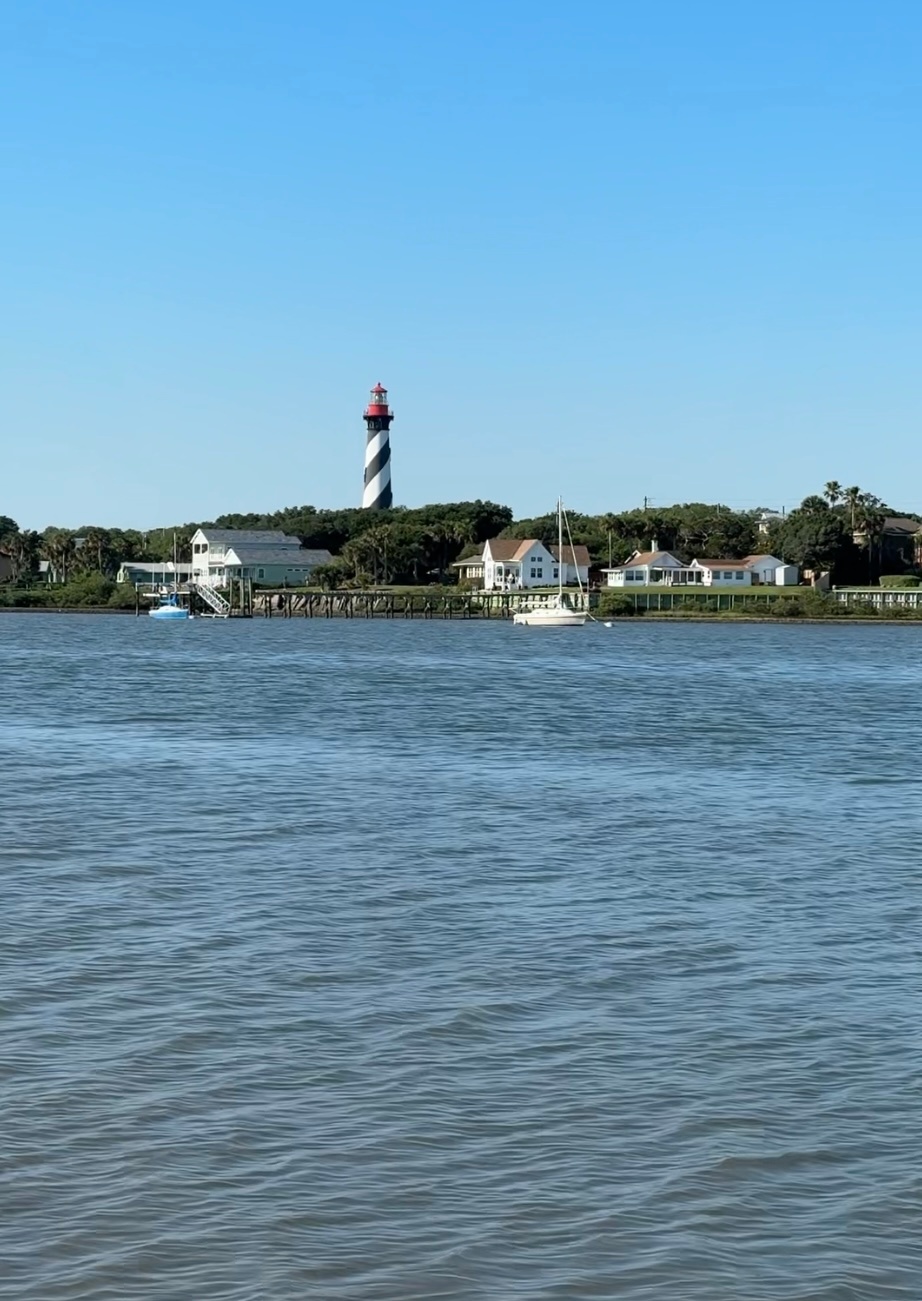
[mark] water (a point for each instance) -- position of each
(353, 960)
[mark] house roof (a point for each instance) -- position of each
(293, 557)
(754, 560)
(506, 549)
(467, 561)
(573, 555)
(640, 558)
(721, 564)
(250, 537)
(901, 524)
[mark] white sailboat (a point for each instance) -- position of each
(169, 605)
(557, 612)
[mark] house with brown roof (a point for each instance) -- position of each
(646, 569)
(512, 564)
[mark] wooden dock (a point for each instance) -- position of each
(369, 604)
(364, 603)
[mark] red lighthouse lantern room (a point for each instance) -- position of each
(377, 402)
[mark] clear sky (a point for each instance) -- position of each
(601, 248)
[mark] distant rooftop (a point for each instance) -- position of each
(295, 556)
(250, 537)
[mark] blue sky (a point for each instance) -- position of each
(601, 248)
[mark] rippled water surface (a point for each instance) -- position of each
(455, 960)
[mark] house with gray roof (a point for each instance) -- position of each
(264, 555)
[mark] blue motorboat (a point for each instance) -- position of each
(169, 608)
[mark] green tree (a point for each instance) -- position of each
(815, 540)
(814, 505)
(332, 576)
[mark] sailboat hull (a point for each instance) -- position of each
(553, 618)
(557, 613)
(169, 612)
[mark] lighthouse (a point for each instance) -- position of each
(378, 417)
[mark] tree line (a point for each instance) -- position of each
(840, 530)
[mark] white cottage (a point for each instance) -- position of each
(662, 569)
(264, 555)
(511, 564)
(647, 569)
(723, 573)
(772, 572)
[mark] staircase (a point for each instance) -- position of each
(212, 598)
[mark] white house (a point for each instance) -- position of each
(264, 555)
(648, 569)
(721, 573)
(662, 569)
(772, 572)
(767, 519)
(510, 564)
(154, 573)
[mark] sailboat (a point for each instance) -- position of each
(558, 612)
(170, 606)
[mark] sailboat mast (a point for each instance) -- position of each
(560, 547)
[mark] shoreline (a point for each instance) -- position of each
(650, 616)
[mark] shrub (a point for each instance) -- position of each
(899, 580)
(123, 598)
(615, 605)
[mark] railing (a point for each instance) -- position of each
(211, 598)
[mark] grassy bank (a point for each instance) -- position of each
(784, 603)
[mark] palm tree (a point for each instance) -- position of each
(376, 542)
(870, 520)
(851, 497)
(833, 492)
(59, 549)
(96, 552)
(445, 539)
(814, 504)
(23, 552)
(8, 540)
(358, 553)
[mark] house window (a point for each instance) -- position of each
(556, 573)
(534, 572)
(727, 574)
(739, 575)
(260, 573)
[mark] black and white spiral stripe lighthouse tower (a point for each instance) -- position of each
(378, 494)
